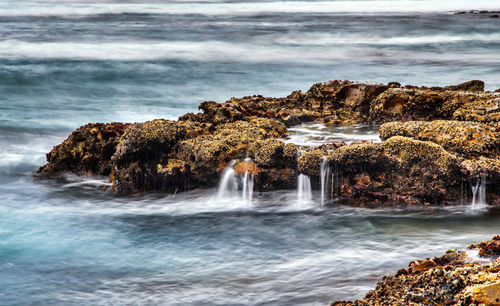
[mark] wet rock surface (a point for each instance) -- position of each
(464, 137)
(454, 278)
(87, 151)
(436, 140)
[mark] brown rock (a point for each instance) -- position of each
(488, 295)
(87, 151)
(474, 86)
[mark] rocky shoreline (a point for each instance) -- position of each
(438, 143)
(459, 277)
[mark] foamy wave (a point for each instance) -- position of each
(241, 8)
(175, 50)
(250, 52)
(328, 39)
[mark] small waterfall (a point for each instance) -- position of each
(247, 190)
(479, 193)
(324, 173)
(230, 183)
(304, 193)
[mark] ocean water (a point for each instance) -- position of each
(66, 63)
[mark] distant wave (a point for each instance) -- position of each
(289, 48)
(180, 50)
(242, 8)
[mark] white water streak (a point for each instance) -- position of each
(247, 190)
(304, 192)
(228, 185)
(324, 174)
(479, 193)
(15, 8)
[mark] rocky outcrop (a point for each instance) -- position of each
(452, 279)
(173, 156)
(436, 140)
(463, 137)
(87, 151)
(398, 171)
(422, 103)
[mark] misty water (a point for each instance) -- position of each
(73, 241)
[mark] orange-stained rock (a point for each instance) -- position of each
(488, 295)
(246, 166)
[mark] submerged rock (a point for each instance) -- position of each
(452, 279)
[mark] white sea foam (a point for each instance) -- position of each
(181, 50)
(252, 52)
(312, 134)
(332, 39)
(241, 8)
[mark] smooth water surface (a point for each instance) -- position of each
(63, 64)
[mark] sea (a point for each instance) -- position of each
(75, 242)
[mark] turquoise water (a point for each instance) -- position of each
(63, 64)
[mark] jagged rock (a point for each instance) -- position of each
(488, 248)
(141, 161)
(467, 138)
(399, 170)
(308, 162)
(338, 94)
(192, 152)
(269, 153)
(452, 279)
(405, 104)
(484, 109)
(473, 85)
(488, 295)
(414, 103)
(208, 154)
(87, 151)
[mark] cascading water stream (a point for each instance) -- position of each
(324, 174)
(230, 182)
(304, 193)
(247, 190)
(479, 193)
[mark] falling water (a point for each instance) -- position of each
(230, 183)
(304, 192)
(247, 190)
(479, 193)
(324, 172)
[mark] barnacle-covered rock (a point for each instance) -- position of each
(488, 248)
(484, 108)
(141, 161)
(269, 153)
(87, 151)
(399, 170)
(422, 103)
(308, 162)
(427, 166)
(148, 140)
(208, 154)
(467, 138)
(405, 104)
(452, 279)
